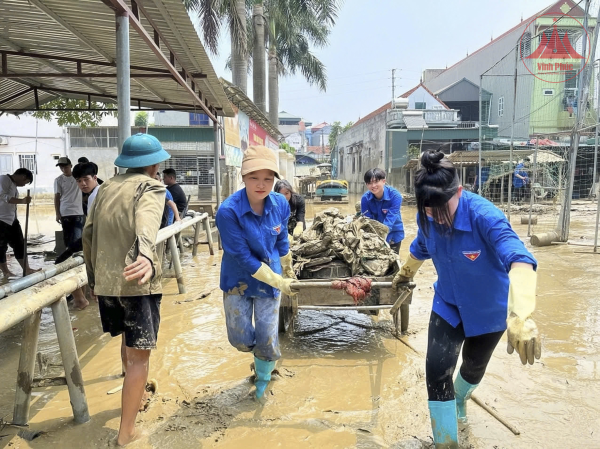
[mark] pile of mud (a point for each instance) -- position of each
(353, 247)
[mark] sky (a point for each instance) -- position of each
(371, 37)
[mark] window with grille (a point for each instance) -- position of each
(500, 106)
(89, 137)
(192, 170)
(526, 45)
(420, 105)
(28, 161)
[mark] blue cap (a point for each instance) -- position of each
(141, 150)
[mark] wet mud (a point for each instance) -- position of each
(344, 380)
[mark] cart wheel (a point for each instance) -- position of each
(285, 314)
(404, 317)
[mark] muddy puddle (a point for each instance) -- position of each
(344, 381)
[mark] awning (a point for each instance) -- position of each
(61, 48)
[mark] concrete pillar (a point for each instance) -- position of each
(282, 160)
(290, 167)
(31, 331)
(123, 81)
(68, 352)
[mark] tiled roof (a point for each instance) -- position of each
(320, 125)
(383, 108)
(317, 149)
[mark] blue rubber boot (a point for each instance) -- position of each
(462, 392)
(263, 375)
(444, 424)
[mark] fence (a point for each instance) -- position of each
(34, 292)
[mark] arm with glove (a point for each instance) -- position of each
(522, 331)
(418, 254)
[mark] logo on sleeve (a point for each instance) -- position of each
(385, 211)
(471, 255)
(277, 229)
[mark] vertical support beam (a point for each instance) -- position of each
(531, 188)
(196, 239)
(177, 264)
(68, 353)
(123, 80)
(209, 239)
(217, 144)
(31, 332)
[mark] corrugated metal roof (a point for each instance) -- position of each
(85, 30)
(464, 157)
(414, 121)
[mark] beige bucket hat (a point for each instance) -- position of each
(258, 157)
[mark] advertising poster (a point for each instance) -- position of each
(244, 124)
(257, 134)
(232, 131)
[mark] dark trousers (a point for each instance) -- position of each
(443, 347)
(11, 235)
(72, 231)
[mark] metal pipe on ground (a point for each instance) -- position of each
(46, 273)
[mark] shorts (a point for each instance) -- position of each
(136, 316)
(11, 235)
(72, 230)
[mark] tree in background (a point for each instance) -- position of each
(286, 146)
(235, 14)
(293, 26)
(141, 119)
(70, 114)
(337, 130)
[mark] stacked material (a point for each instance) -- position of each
(357, 243)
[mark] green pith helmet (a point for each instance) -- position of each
(141, 150)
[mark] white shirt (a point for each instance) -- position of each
(91, 198)
(70, 195)
(8, 190)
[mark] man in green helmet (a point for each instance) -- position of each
(122, 266)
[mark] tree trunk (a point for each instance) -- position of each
(273, 79)
(258, 63)
(239, 59)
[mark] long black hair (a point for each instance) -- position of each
(436, 182)
(283, 184)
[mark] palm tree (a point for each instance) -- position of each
(293, 26)
(258, 56)
(212, 14)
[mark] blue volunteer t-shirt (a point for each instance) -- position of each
(170, 214)
(472, 262)
(249, 239)
(386, 211)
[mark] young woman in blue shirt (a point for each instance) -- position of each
(486, 285)
(382, 203)
(257, 263)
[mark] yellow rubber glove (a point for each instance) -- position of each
(521, 329)
(286, 265)
(298, 229)
(407, 271)
(269, 277)
(291, 239)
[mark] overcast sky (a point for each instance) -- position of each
(371, 37)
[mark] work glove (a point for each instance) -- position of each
(521, 329)
(286, 265)
(407, 271)
(269, 277)
(298, 229)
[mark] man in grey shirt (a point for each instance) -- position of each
(69, 213)
(11, 233)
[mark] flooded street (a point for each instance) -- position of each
(344, 381)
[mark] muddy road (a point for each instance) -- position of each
(345, 380)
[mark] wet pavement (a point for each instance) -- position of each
(345, 380)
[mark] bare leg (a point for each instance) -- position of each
(134, 386)
(26, 269)
(79, 299)
(6, 271)
(123, 355)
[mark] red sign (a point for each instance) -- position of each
(257, 135)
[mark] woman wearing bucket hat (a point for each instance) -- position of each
(253, 227)
(122, 266)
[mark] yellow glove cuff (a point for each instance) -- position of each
(298, 229)
(521, 292)
(268, 276)
(410, 267)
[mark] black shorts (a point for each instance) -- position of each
(136, 316)
(11, 235)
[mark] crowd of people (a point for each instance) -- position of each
(486, 277)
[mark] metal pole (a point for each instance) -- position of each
(209, 239)
(217, 168)
(537, 146)
(597, 220)
(512, 134)
(479, 184)
(123, 81)
(594, 175)
(177, 264)
(31, 332)
(68, 353)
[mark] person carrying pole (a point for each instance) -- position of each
(382, 203)
(11, 233)
(486, 285)
(119, 246)
(253, 224)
